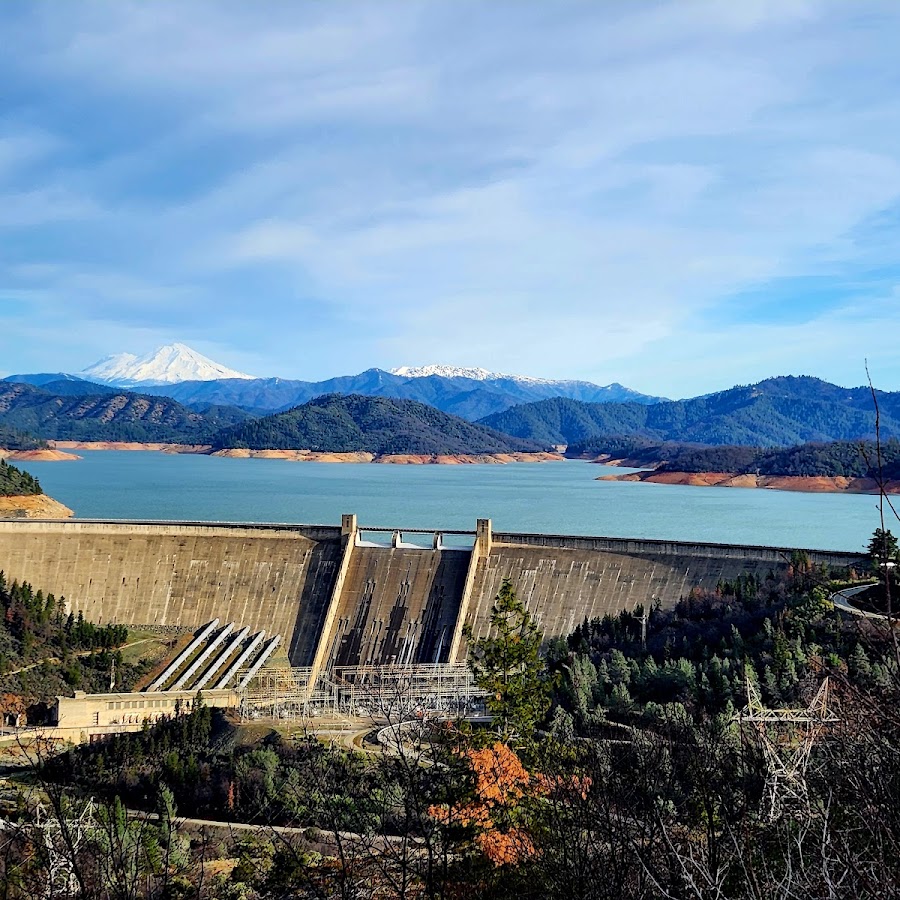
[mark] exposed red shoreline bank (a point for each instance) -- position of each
(809, 484)
(33, 506)
(311, 456)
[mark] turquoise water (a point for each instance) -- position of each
(533, 497)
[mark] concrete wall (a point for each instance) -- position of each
(337, 601)
(397, 605)
(563, 579)
(274, 578)
(643, 546)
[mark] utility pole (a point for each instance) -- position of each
(645, 615)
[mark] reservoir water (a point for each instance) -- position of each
(556, 498)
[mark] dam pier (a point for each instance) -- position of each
(351, 595)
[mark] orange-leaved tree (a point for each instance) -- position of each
(498, 810)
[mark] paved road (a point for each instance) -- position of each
(316, 835)
(841, 598)
(56, 659)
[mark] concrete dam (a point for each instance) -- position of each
(351, 595)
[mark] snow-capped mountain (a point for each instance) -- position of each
(181, 373)
(171, 364)
(476, 374)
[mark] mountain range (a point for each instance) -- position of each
(588, 418)
(181, 373)
(777, 412)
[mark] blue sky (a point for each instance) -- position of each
(677, 196)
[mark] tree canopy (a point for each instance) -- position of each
(507, 664)
(883, 547)
(16, 483)
(341, 423)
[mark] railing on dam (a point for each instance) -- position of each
(412, 538)
(652, 546)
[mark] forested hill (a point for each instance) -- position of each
(839, 458)
(16, 483)
(776, 412)
(13, 439)
(345, 423)
(849, 459)
(46, 651)
(118, 416)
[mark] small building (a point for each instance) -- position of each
(86, 716)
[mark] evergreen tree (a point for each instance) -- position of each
(883, 548)
(858, 664)
(507, 664)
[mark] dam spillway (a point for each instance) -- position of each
(398, 606)
(339, 597)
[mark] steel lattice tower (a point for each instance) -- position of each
(786, 737)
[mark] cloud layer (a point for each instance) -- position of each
(678, 196)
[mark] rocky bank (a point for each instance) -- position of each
(37, 455)
(808, 484)
(130, 445)
(33, 506)
(405, 459)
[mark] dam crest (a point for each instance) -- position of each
(354, 595)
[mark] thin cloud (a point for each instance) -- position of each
(566, 190)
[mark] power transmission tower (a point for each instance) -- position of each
(786, 737)
(62, 841)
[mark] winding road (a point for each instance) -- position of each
(841, 601)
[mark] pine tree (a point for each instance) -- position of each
(562, 726)
(858, 664)
(619, 670)
(883, 547)
(507, 664)
(583, 680)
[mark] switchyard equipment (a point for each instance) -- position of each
(300, 692)
(433, 690)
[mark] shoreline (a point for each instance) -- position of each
(810, 484)
(624, 462)
(409, 459)
(33, 506)
(43, 455)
